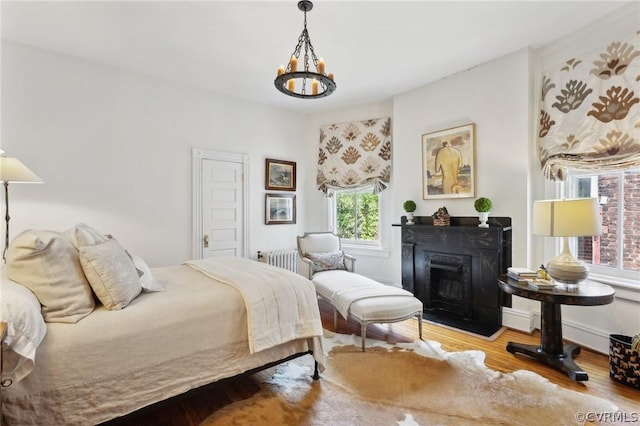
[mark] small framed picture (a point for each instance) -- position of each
(280, 209)
(280, 175)
(448, 163)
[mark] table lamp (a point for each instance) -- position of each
(12, 170)
(576, 217)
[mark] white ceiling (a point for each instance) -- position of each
(376, 49)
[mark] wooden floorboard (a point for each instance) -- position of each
(193, 409)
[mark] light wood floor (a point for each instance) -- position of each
(195, 407)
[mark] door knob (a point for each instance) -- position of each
(206, 241)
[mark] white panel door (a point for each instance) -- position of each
(222, 208)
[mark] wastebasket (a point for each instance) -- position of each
(624, 362)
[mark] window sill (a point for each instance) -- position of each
(363, 250)
(625, 288)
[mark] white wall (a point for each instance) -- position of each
(114, 150)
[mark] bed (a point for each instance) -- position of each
(201, 328)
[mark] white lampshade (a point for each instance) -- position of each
(577, 217)
(12, 170)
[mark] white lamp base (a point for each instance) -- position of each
(567, 269)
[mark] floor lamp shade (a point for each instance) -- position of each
(577, 217)
(12, 170)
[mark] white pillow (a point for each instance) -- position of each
(148, 282)
(48, 265)
(83, 235)
(111, 273)
(20, 309)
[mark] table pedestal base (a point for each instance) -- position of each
(563, 362)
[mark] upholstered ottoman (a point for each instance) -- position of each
(366, 300)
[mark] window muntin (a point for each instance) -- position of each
(616, 252)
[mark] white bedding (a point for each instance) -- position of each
(161, 345)
(281, 306)
(26, 329)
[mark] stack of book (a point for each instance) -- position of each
(521, 274)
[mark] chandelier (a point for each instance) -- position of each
(306, 84)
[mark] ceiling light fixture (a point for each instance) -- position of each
(304, 84)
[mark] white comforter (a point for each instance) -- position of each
(281, 306)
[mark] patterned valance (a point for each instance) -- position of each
(590, 112)
(355, 155)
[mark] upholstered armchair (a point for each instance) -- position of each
(313, 244)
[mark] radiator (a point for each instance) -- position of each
(287, 259)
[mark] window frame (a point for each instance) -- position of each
(616, 276)
(378, 247)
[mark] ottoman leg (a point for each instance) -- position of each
(363, 333)
(420, 325)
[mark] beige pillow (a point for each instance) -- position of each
(48, 265)
(111, 273)
(84, 235)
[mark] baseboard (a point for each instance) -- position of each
(587, 337)
(519, 319)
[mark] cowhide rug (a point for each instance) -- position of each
(405, 384)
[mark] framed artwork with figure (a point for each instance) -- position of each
(448, 163)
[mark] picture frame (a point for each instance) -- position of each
(280, 175)
(280, 209)
(448, 163)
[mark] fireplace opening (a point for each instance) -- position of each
(448, 285)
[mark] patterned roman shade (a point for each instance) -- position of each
(355, 155)
(590, 112)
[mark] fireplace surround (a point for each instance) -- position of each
(453, 270)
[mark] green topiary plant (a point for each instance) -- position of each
(482, 205)
(409, 206)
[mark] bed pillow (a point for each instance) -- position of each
(26, 328)
(111, 273)
(47, 264)
(84, 235)
(148, 282)
(327, 261)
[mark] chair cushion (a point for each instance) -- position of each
(375, 308)
(328, 282)
(385, 309)
(318, 242)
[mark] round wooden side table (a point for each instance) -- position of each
(551, 350)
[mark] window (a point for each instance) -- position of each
(617, 250)
(357, 216)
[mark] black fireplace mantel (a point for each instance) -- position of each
(485, 254)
